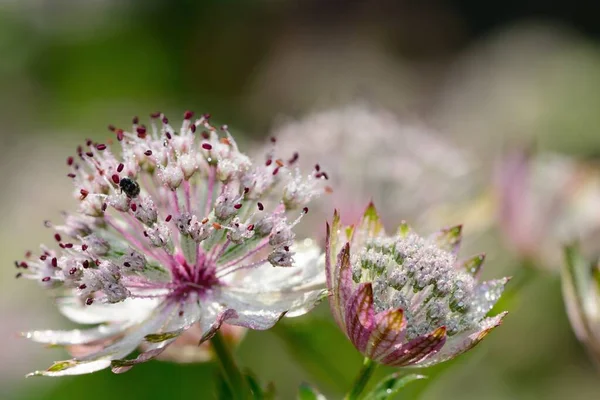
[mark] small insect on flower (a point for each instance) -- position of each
(130, 187)
(177, 230)
(404, 300)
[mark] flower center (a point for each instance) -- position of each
(199, 278)
(414, 274)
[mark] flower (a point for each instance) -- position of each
(581, 293)
(371, 153)
(546, 200)
(180, 230)
(404, 300)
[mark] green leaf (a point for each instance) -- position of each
(258, 393)
(391, 385)
(222, 388)
(307, 392)
(269, 392)
(309, 350)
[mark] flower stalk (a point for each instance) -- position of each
(365, 374)
(233, 376)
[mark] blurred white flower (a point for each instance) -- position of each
(369, 153)
(545, 201)
(581, 293)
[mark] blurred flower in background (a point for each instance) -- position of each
(21, 306)
(370, 153)
(185, 349)
(544, 201)
(581, 292)
(528, 82)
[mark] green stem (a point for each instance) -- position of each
(233, 376)
(362, 379)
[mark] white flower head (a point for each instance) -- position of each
(177, 230)
(370, 153)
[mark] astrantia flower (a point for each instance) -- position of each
(581, 293)
(180, 229)
(544, 201)
(404, 300)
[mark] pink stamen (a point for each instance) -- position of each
(252, 252)
(224, 272)
(210, 190)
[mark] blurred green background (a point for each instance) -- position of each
(479, 73)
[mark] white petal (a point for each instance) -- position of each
(309, 269)
(75, 368)
(75, 336)
(117, 350)
(129, 310)
(252, 311)
(135, 336)
(191, 313)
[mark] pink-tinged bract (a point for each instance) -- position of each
(404, 300)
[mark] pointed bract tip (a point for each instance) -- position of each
(449, 239)
(403, 229)
(439, 332)
(473, 265)
(454, 230)
(371, 210)
(367, 287)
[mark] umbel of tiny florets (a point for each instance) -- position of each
(405, 300)
(175, 229)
